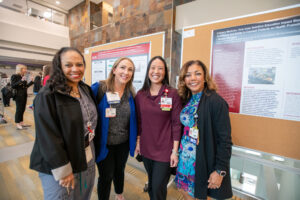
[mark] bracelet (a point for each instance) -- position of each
(175, 152)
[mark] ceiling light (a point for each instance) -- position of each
(57, 2)
(47, 14)
(1, 1)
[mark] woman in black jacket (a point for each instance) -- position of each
(205, 149)
(19, 81)
(65, 120)
(37, 83)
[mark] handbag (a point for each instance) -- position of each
(139, 158)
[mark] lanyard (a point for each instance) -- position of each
(89, 123)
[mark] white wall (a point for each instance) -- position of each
(27, 37)
(204, 11)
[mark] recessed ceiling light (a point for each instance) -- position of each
(57, 2)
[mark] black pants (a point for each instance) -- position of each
(158, 177)
(20, 108)
(112, 169)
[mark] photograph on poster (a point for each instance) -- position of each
(102, 62)
(256, 67)
(261, 75)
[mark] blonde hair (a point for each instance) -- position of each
(19, 68)
(183, 91)
(111, 78)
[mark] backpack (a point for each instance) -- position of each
(7, 91)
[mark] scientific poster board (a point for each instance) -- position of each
(150, 45)
(276, 136)
(256, 67)
(102, 62)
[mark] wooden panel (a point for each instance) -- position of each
(157, 46)
(275, 136)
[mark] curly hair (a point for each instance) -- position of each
(111, 78)
(58, 80)
(184, 92)
(147, 82)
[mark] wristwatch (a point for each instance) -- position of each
(221, 173)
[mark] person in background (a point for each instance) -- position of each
(117, 136)
(37, 85)
(5, 89)
(6, 94)
(65, 116)
(21, 81)
(205, 148)
(159, 129)
(46, 74)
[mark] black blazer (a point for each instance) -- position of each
(214, 149)
(19, 85)
(59, 131)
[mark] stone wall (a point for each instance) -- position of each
(131, 18)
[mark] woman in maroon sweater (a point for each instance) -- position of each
(159, 128)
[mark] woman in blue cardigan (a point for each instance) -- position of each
(118, 132)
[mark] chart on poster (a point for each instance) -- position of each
(256, 67)
(102, 62)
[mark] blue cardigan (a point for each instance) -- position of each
(101, 138)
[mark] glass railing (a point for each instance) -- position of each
(36, 10)
(261, 175)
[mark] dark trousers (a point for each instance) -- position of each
(20, 108)
(112, 169)
(158, 177)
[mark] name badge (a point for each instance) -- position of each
(88, 153)
(165, 103)
(113, 97)
(110, 112)
(194, 133)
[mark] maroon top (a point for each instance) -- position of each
(158, 129)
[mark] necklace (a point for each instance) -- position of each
(74, 93)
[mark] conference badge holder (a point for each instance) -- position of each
(166, 102)
(88, 154)
(112, 98)
(194, 133)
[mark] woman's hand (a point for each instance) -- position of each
(68, 181)
(173, 160)
(215, 180)
(137, 148)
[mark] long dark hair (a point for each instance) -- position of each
(58, 80)
(147, 82)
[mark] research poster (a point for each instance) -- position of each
(102, 62)
(257, 68)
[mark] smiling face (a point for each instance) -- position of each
(156, 72)
(123, 72)
(73, 67)
(195, 78)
